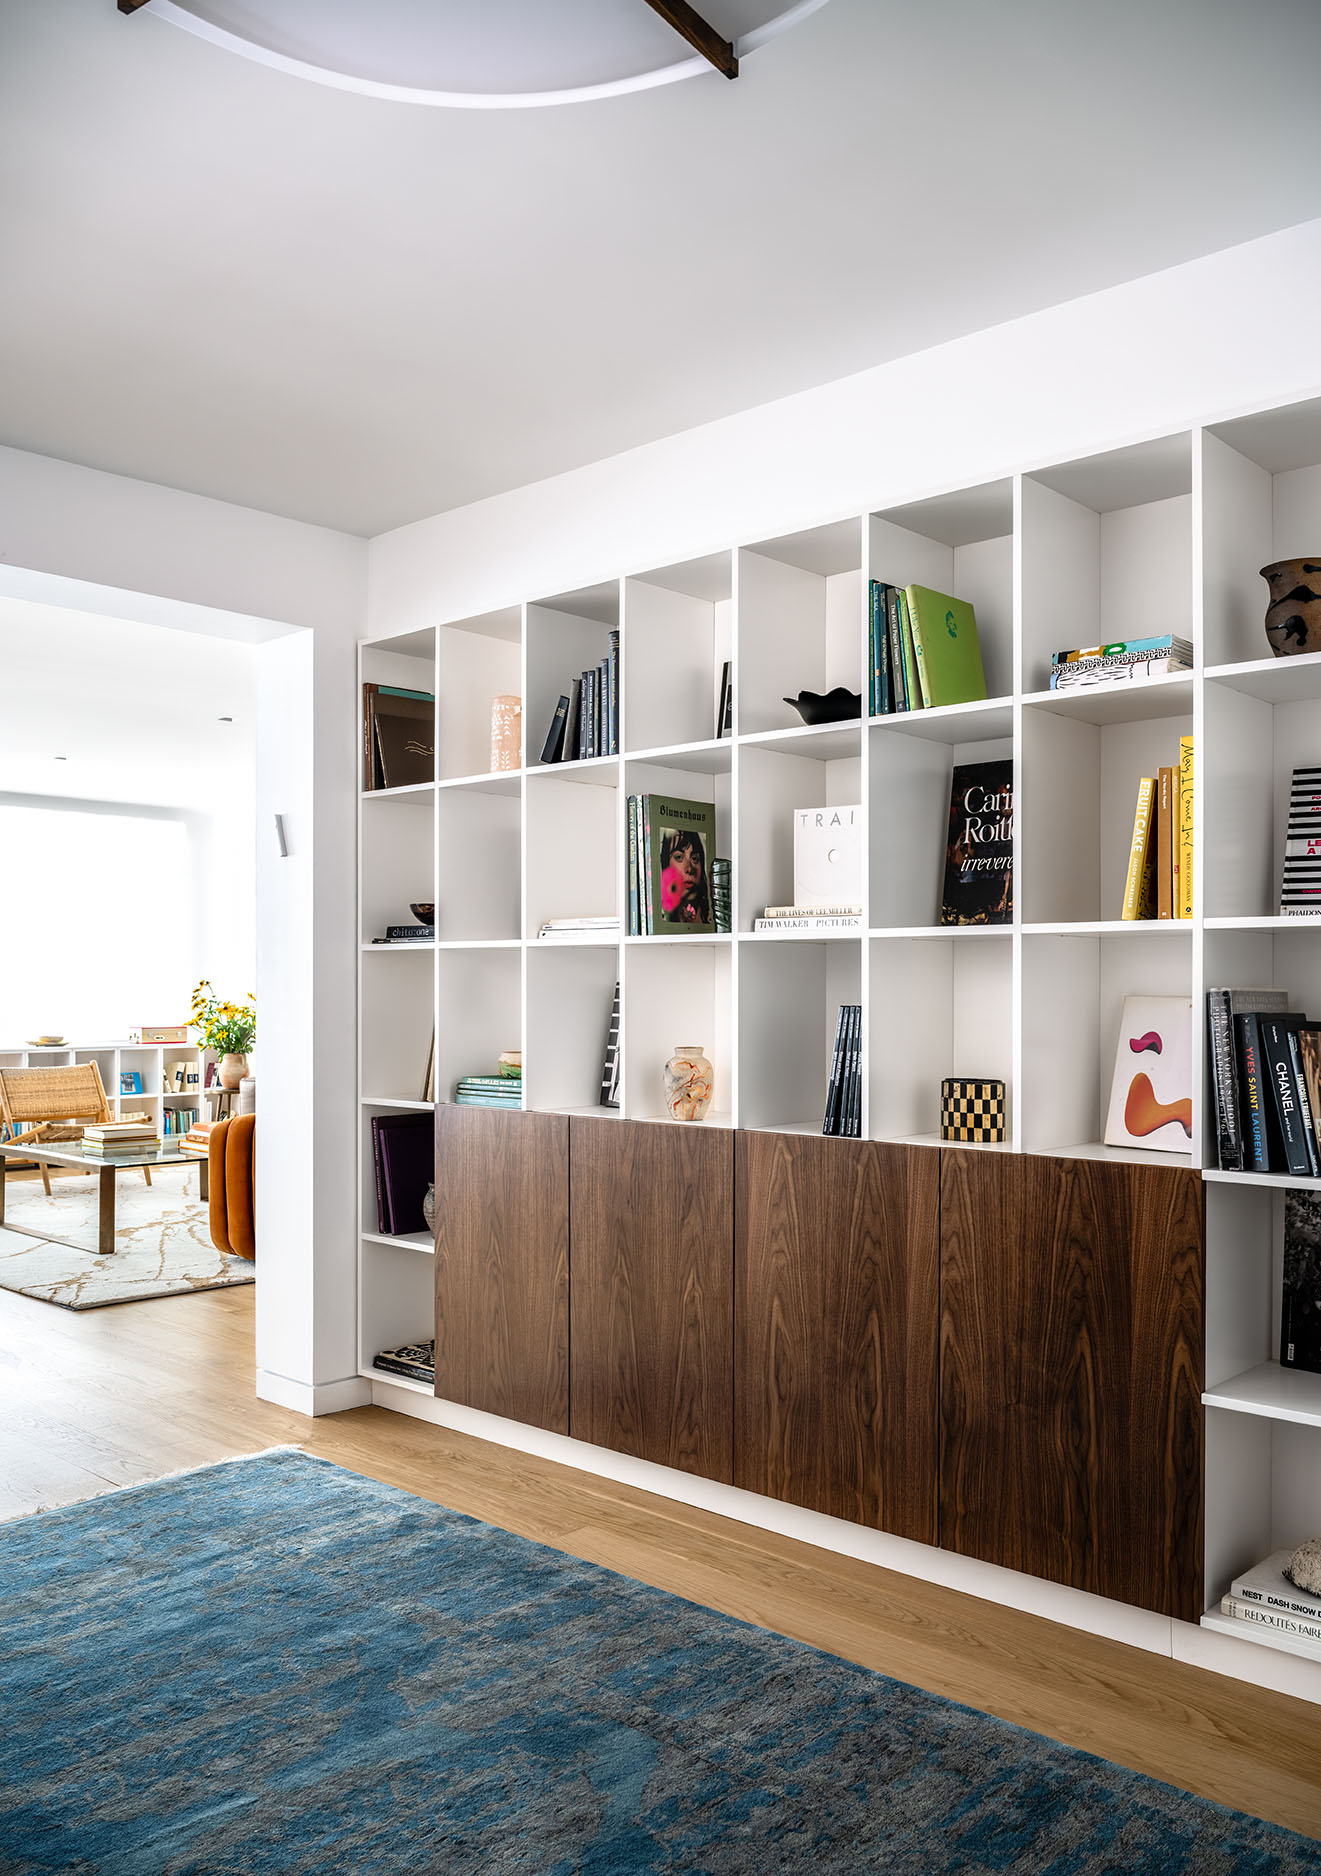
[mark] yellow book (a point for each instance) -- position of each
(1185, 905)
(1137, 886)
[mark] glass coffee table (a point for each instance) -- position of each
(72, 1153)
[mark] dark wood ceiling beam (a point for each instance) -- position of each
(697, 32)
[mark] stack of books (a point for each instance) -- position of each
(809, 918)
(198, 1138)
(671, 844)
(398, 738)
(585, 721)
(1127, 661)
(415, 1360)
(844, 1089)
(1159, 883)
(1266, 1078)
(108, 1137)
(1300, 888)
(1268, 1598)
(414, 934)
(571, 928)
(722, 897)
(502, 1089)
(925, 651)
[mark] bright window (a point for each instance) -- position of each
(97, 922)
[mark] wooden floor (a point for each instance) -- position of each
(118, 1395)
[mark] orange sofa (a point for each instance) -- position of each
(231, 1158)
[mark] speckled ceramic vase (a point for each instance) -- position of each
(689, 1083)
(231, 1071)
(1293, 618)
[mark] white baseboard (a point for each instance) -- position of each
(326, 1397)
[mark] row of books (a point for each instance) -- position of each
(398, 736)
(585, 721)
(404, 1165)
(844, 1089)
(1267, 1596)
(924, 649)
(1126, 661)
(822, 918)
(1159, 881)
(1266, 1078)
(1300, 888)
(671, 848)
(177, 1120)
(416, 1361)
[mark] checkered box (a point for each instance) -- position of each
(972, 1110)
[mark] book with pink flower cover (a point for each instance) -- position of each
(680, 842)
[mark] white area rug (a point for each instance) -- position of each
(162, 1244)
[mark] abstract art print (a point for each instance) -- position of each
(1151, 1096)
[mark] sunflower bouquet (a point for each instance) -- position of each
(224, 1028)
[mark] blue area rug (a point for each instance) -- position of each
(279, 1666)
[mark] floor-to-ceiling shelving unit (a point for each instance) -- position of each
(1166, 534)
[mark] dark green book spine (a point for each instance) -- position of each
(898, 689)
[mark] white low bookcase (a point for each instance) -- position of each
(115, 1058)
(1164, 535)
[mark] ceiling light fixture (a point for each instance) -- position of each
(507, 34)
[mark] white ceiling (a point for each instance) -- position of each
(226, 279)
(134, 711)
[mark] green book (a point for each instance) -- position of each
(680, 844)
(912, 688)
(949, 656)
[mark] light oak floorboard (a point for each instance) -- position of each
(115, 1396)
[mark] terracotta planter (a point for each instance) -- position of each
(689, 1083)
(1293, 618)
(232, 1070)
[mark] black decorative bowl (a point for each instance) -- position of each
(837, 706)
(424, 914)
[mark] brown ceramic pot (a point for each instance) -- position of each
(1293, 618)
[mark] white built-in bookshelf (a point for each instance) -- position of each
(114, 1058)
(1163, 535)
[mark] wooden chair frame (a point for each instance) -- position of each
(53, 1103)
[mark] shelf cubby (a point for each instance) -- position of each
(679, 623)
(938, 1006)
(399, 861)
(663, 778)
(477, 660)
(571, 859)
(800, 622)
(1107, 551)
(1076, 806)
(775, 779)
(396, 1001)
(565, 636)
(480, 991)
(789, 993)
(395, 1303)
(1253, 744)
(677, 993)
(407, 660)
(907, 828)
(570, 990)
(1285, 956)
(961, 543)
(1073, 990)
(479, 865)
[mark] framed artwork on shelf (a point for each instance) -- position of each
(1151, 1096)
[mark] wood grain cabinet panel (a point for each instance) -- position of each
(1071, 1373)
(652, 1237)
(502, 1263)
(837, 1324)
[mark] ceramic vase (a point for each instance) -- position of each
(506, 732)
(429, 1209)
(1293, 618)
(232, 1070)
(689, 1083)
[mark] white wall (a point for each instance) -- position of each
(115, 548)
(1199, 341)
